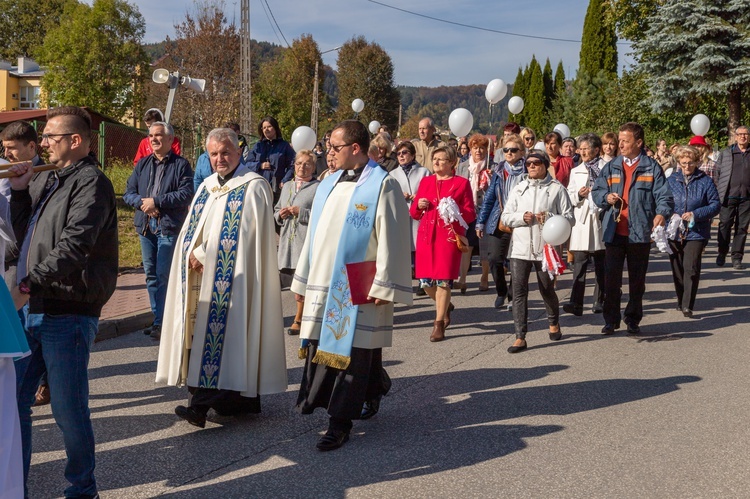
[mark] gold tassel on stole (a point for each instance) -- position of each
(332, 360)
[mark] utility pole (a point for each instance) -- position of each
(246, 100)
(315, 103)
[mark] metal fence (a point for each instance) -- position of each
(115, 143)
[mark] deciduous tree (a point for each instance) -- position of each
(25, 24)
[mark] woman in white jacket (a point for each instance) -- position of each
(531, 202)
(586, 238)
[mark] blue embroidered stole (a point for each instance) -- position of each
(195, 216)
(226, 258)
(340, 315)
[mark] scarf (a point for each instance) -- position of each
(340, 315)
(474, 170)
(594, 170)
(407, 168)
(511, 175)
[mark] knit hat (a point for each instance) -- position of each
(698, 140)
(540, 155)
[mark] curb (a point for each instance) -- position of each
(124, 324)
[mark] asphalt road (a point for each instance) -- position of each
(663, 414)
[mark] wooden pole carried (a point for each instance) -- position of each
(38, 168)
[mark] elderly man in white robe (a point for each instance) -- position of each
(222, 334)
(353, 267)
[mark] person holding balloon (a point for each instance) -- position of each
(533, 204)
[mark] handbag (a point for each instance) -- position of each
(462, 243)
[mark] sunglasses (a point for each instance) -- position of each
(403, 152)
(529, 139)
(511, 150)
(534, 162)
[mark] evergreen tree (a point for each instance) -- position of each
(534, 108)
(519, 89)
(697, 49)
(549, 86)
(599, 42)
(559, 81)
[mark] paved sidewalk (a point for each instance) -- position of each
(128, 309)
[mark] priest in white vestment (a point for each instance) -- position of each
(359, 221)
(222, 334)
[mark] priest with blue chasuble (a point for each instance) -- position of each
(355, 264)
(223, 330)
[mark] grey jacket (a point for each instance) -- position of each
(294, 229)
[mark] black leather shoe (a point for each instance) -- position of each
(370, 408)
(332, 440)
(155, 333)
(572, 309)
(597, 308)
(420, 291)
(687, 312)
(721, 260)
(556, 335)
(500, 301)
(737, 265)
(633, 328)
(191, 416)
(609, 329)
(514, 349)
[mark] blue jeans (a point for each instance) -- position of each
(157, 259)
(61, 344)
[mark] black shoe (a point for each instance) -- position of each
(633, 328)
(420, 291)
(573, 309)
(514, 349)
(597, 308)
(294, 331)
(687, 312)
(721, 260)
(609, 329)
(556, 336)
(737, 265)
(500, 301)
(370, 408)
(191, 416)
(147, 330)
(155, 333)
(332, 440)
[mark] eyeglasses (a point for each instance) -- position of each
(529, 138)
(743, 134)
(337, 149)
(534, 162)
(511, 150)
(48, 136)
(403, 152)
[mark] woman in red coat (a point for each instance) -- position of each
(438, 258)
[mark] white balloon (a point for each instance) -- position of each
(562, 129)
(303, 138)
(540, 146)
(700, 124)
(556, 230)
(358, 105)
(460, 122)
(374, 126)
(495, 91)
(515, 104)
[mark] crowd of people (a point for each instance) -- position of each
(353, 225)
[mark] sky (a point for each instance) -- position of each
(425, 52)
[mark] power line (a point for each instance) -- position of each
(277, 24)
(455, 23)
(269, 21)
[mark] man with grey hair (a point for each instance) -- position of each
(160, 189)
(733, 170)
(223, 324)
(426, 143)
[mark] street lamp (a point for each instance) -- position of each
(315, 103)
(172, 80)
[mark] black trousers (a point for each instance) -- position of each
(736, 214)
(498, 245)
(520, 270)
(342, 392)
(225, 402)
(686, 270)
(580, 268)
(636, 255)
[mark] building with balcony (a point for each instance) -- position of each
(21, 85)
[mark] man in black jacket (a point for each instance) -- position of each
(160, 189)
(66, 223)
(733, 169)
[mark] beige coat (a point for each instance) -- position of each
(586, 234)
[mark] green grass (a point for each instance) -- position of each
(118, 173)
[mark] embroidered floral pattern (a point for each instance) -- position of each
(336, 319)
(222, 291)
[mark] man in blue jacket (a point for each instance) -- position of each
(160, 189)
(633, 193)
